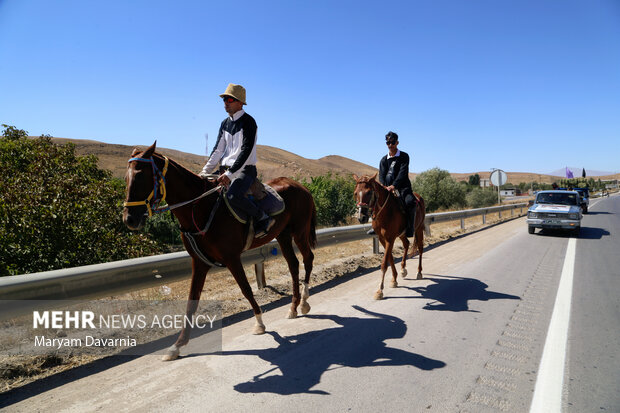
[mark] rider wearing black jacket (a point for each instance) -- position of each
(394, 174)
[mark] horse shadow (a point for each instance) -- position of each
(303, 358)
(451, 293)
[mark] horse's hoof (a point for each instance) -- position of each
(291, 314)
(172, 354)
(403, 272)
(419, 276)
(393, 284)
(258, 329)
(378, 295)
(305, 307)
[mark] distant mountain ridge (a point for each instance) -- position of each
(271, 163)
(577, 172)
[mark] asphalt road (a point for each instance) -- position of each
(468, 338)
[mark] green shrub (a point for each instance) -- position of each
(58, 209)
(164, 229)
(333, 197)
(479, 198)
(439, 190)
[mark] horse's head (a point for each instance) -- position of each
(364, 196)
(144, 187)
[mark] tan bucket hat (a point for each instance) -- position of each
(236, 91)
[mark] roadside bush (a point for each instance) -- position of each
(164, 229)
(479, 198)
(333, 197)
(58, 209)
(439, 190)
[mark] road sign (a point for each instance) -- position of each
(498, 177)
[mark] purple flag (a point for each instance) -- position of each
(569, 173)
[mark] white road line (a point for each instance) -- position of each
(549, 383)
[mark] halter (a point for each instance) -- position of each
(371, 204)
(159, 179)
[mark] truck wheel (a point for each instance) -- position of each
(585, 209)
(531, 229)
(576, 231)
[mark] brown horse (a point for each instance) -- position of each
(389, 223)
(218, 236)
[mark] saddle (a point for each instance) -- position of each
(264, 196)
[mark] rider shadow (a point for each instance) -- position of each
(454, 293)
(356, 342)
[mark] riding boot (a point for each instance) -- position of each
(410, 223)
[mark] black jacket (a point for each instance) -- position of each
(395, 171)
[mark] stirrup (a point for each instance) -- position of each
(271, 222)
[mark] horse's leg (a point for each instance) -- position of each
(384, 264)
(403, 266)
(419, 241)
(308, 255)
(286, 245)
(394, 281)
(199, 273)
(236, 269)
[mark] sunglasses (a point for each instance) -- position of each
(390, 143)
(228, 99)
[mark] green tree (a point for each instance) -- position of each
(333, 197)
(439, 190)
(474, 180)
(58, 209)
(481, 197)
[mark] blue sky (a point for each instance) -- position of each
(469, 85)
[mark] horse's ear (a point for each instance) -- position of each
(149, 151)
(372, 178)
(135, 152)
(356, 178)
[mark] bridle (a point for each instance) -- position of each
(370, 206)
(159, 181)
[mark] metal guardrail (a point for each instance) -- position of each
(103, 280)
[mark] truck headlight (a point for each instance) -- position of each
(573, 216)
(532, 215)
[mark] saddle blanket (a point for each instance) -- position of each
(271, 202)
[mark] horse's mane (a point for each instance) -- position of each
(188, 175)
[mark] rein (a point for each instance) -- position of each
(371, 204)
(387, 198)
(159, 180)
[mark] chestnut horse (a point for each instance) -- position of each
(389, 223)
(217, 236)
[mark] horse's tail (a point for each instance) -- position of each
(422, 206)
(312, 235)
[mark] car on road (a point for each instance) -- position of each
(584, 193)
(555, 209)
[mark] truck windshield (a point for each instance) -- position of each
(557, 198)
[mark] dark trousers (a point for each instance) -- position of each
(410, 205)
(239, 187)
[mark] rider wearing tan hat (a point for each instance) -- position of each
(235, 91)
(235, 151)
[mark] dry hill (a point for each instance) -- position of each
(273, 162)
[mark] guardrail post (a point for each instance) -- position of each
(484, 218)
(259, 269)
(462, 223)
(375, 245)
(512, 212)
(500, 214)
